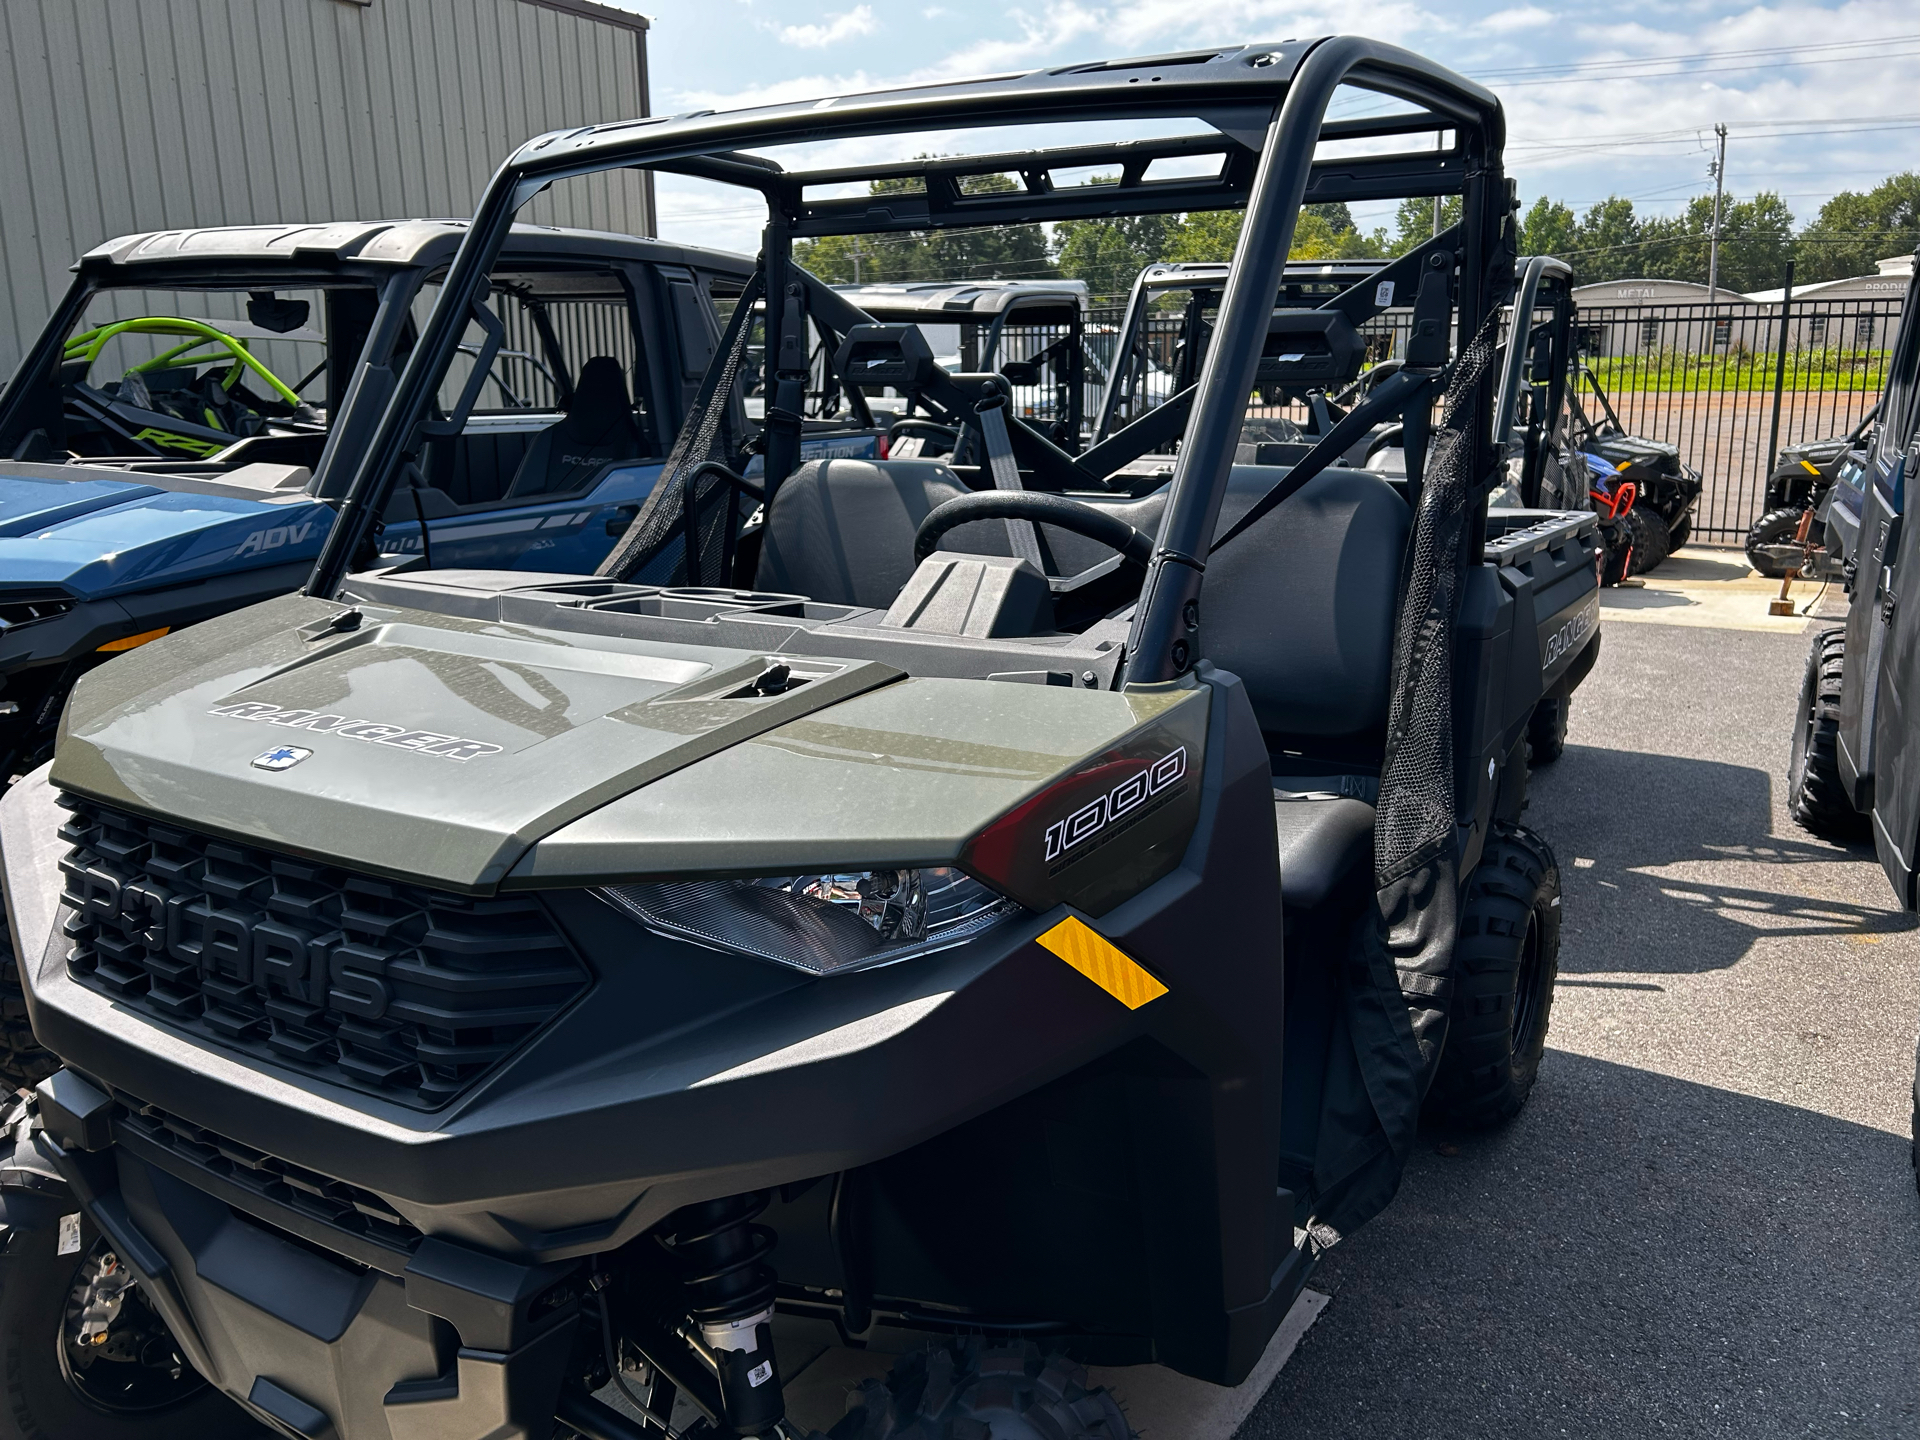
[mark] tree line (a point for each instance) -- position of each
(1606, 241)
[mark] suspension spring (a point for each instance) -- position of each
(730, 1292)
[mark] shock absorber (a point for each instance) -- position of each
(730, 1290)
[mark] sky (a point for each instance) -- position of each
(1601, 100)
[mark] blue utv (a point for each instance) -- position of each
(175, 442)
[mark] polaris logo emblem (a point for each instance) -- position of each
(281, 757)
(1126, 797)
(401, 737)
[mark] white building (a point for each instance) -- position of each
(1638, 317)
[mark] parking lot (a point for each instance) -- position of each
(1705, 1222)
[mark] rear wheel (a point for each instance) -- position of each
(1816, 796)
(1547, 730)
(1506, 959)
(966, 1390)
(1775, 528)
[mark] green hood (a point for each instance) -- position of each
(475, 739)
(444, 750)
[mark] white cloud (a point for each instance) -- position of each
(1523, 17)
(1578, 137)
(844, 26)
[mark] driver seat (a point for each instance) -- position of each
(841, 531)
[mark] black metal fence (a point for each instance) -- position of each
(1699, 377)
(1705, 378)
(1153, 382)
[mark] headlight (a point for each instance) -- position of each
(822, 924)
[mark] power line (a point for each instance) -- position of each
(1686, 71)
(1591, 66)
(1667, 138)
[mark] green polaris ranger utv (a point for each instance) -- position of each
(992, 912)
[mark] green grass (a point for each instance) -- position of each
(1674, 370)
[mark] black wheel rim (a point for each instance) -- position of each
(1526, 994)
(131, 1367)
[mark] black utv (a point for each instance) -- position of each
(1657, 514)
(1826, 477)
(1853, 769)
(995, 912)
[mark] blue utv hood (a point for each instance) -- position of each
(97, 538)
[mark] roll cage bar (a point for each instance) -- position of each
(1204, 279)
(1034, 303)
(1268, 105)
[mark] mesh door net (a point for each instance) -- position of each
(684, 532)
(1400, 964)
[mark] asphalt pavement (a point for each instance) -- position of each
(1705, 1222)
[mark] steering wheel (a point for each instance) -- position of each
(1362, 385)
(1135, 547)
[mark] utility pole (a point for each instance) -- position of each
(1719, 188)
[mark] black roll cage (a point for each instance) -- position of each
(1268, 104)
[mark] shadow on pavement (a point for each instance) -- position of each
(1644, 822)
(1635, 1255)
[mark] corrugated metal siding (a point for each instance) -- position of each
(132, 115)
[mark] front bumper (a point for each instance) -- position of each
(80, 632)
(444, 1341)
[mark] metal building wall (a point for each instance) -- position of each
(133, 115)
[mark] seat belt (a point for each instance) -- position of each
(1022, 535)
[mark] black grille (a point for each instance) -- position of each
(332, 1202)
(389, 989)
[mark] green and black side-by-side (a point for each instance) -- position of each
(1005, 905)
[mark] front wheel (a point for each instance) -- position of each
(1913, 1145)
(86, 1357)
(23, 1061)
(1816, 795)
(1506, 959)
(1681, 533)
(1547, 730)
(1769, 534)
(1651, 539)
(966, 1388)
